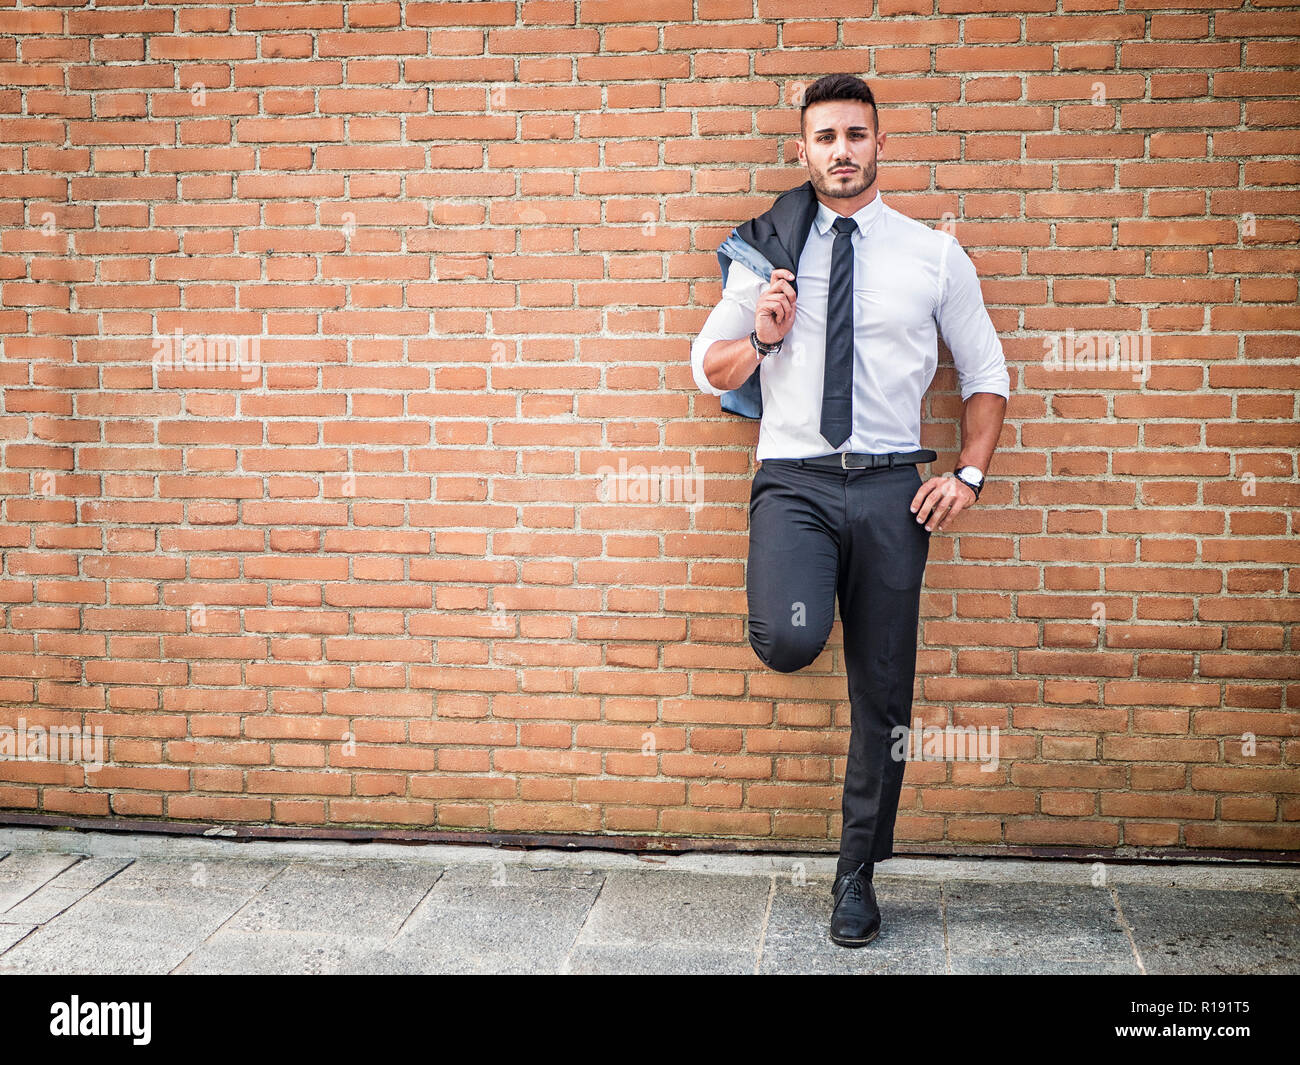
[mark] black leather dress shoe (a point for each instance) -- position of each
(855, 921)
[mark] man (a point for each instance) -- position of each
(844, 349)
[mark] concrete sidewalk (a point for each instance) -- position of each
(91, 902)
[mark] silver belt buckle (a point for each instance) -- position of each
(844, 461)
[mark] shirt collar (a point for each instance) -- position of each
(864, 216)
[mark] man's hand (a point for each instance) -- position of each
(940, 500)
(775, 313)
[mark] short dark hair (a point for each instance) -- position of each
(838, 87)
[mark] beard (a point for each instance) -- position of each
(843, 186)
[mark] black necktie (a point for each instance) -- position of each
(837, 383)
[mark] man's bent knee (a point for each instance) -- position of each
(786, 654)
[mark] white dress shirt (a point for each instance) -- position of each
(908, 281)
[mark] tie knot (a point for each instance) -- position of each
(844, 225)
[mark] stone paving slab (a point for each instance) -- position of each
(668, 922)
(1214, 931)
(483, 919)
(1035, 928)
(667, 909)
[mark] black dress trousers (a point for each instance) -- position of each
(816, 532)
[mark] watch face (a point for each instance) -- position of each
(970, 473)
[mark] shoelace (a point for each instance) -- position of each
(854, 889)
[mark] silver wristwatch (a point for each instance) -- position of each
(972, 477)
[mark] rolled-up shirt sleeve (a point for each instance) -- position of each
(964, 322)
(731, 319)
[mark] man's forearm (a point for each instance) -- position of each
(981, 425)
(728, 363)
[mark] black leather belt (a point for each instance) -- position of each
(849, 460)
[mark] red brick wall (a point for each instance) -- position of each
(475, 240)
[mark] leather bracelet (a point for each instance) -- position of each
(762, 349)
